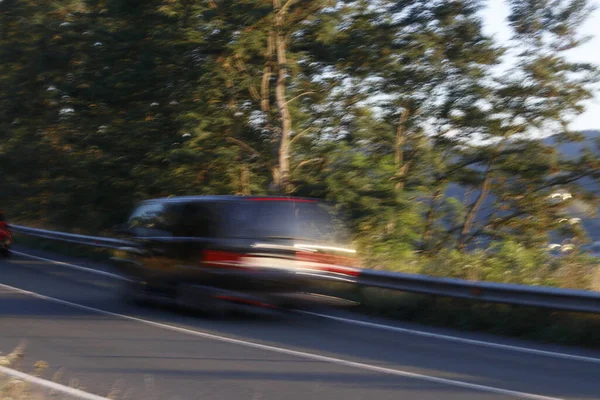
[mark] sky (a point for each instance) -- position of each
(495, 23)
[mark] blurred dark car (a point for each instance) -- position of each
(211, 252)
(6, 239)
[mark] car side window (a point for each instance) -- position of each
(198, 220)
(149, 220)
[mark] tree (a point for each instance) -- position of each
(426, 62)
(81, 108)
(541, 92)
(394, 109)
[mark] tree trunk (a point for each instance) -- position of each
(472, 213)
(245, 180)
(429, 220)
(401, 166)
(267, 73)
(282, 105)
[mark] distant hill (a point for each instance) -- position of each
(574, 150)
(569, 150)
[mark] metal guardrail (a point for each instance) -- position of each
(536, 296)
(94, 241)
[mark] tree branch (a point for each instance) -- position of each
(300, 18)
(305, 162)
(459, 167)
(300, 95)
(297, 136)
(243, 145)
(471, 214)
(286, 7)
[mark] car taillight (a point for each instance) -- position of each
(329, 263)
(302, 261)
(224, 259)
(244, 301)
(325, 258)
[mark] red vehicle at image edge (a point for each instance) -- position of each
(6, 239)
(259, 251)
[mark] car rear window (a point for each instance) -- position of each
(305, 220)
(150, 219)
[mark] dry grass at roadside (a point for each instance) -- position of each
(12, 388)
(530, 323)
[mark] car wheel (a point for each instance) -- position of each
(201, 299)
(6, 253)
(134, 292)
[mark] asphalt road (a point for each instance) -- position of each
(162, 354)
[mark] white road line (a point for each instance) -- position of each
(80, 394)
(281, 350)
(457, 339)
(566, 356)
(73, 266)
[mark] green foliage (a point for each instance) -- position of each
(395, 110)
(507, 262)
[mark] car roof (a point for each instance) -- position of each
(213, 198)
